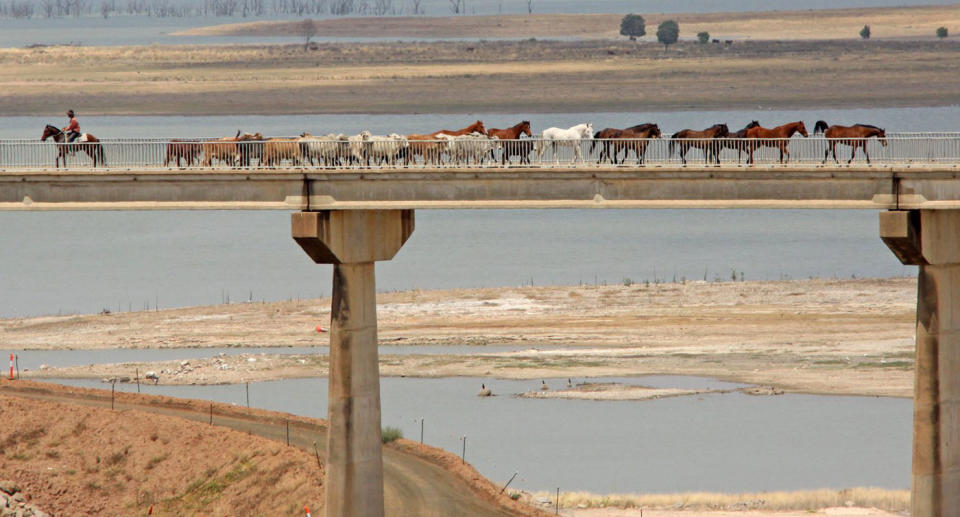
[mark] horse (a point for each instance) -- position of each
(189, 150)
(855, 136)
(476, 127)
(604, 136)
(86, 143)
(777, 137)
(570, 137)
(706, 140)
(735, 141)
(509, 145)
(427, 146)
(635, 138)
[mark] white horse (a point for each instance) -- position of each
(571, 137)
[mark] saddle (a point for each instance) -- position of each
(72, 135)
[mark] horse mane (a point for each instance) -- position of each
(820, 127)
(870, 127)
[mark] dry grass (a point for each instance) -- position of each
(768, 25)
(805, 500)
(500, 76)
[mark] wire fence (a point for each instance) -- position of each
(471, 151)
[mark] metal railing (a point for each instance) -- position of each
(395, 152)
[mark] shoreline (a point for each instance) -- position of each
(519, 77)
(795, 336)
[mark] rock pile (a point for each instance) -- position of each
(13, 502)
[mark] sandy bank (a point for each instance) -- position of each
(897, 22)
(817, 336)
(516, 77)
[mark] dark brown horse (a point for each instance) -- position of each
(708, 140)
(476, 127)
(87, 143)
(777, 138)
(509, 141)
(855, 136)
(736, 141)
(636, 139)
(605, 137)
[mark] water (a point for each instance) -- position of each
(32, 359)
(892, 119)
(88, 261)
(720, 442)
(143, 30)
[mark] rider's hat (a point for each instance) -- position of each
(69, 113)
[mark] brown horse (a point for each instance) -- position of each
(735, 140)
(86, 143)
(605, 137)
(189, 150)
(427, 146)
(855, 136)
(476, 127)
(636, 139)
(508, 141)
(708, 140)
(777, 137)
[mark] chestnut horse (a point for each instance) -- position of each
(509, 144)
(706, 140)
(86, 143)
(855, 136)
(476, 127)
(735, 140)
(777, 137)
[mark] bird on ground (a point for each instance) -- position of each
(543, 386)
(484, 391)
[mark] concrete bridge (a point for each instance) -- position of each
(353, 218)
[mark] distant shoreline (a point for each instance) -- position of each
(885, 22)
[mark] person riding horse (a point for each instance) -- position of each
(72, 131)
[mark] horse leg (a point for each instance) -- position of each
(865, 153)
(853, 154)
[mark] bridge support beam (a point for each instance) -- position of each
(931, 240)
(352, 240)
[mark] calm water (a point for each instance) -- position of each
(142, 30)
(729, 442)
(892, 119)
(87, 261)
(32, 359)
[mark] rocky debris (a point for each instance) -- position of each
(13, 502)
(762, 391)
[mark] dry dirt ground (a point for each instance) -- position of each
(77, 456)
(468, 77)
(897, 22)
(76, 460)
(816, 336)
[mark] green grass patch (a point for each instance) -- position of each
(206, 489)
(389, 434)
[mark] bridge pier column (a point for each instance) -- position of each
(352, 240)
(931, 240)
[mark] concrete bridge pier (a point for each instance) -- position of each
(352, 240)
(931, 240)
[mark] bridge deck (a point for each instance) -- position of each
(935, 187)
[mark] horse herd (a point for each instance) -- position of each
(475, 144)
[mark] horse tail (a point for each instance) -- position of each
(673, 142)
(820, 127)
(101, 155)
(593, 142)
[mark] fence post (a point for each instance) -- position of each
(558, 502)
(11, 366)
(421, 430)
(288, 433)
(211, 413)
(113, 393)
(16, 359)
(138, 380)
(463, 455)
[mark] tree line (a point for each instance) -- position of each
(193, 8)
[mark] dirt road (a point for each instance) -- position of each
(418, 481)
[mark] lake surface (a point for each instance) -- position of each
(88, 261)
(143, 30)
(32, 359)
(720, 442)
